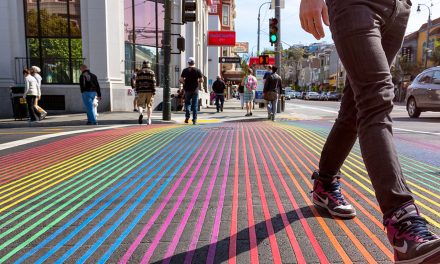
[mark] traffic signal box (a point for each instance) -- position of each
(263, 59)
(273, 31)
(189, 11)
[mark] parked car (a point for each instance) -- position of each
(296, 94)
(334, 96)
(424, 93)
(323, 96)
(312, 96)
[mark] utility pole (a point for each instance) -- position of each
(166, 104)
(258, 32)
(278, 44)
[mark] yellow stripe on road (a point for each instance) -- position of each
(69, 167)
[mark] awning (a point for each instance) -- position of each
(233, 76)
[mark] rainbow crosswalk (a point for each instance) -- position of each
(235, 192)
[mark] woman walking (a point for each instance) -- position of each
(250, 85)
(31, 92)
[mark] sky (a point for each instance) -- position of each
(246, 25)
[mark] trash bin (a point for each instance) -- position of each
(19, 105)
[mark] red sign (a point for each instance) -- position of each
(221, 38)
(256, 60)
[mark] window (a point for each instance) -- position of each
(225, 16)
(53, 37)
(143, 31)
(436, 77)
(426, 78)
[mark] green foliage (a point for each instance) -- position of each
(52, 25)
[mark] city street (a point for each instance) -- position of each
(231, 189)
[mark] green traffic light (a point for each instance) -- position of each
(273, 38)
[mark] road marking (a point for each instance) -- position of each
(21, 142)
(394, 128)
(416, 131)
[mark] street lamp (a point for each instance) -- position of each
(428, 27)
(258, 42)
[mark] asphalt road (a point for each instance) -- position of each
(225, 191)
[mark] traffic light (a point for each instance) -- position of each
(181, 44)
(263, 59)
(273, 31)
(189, 11)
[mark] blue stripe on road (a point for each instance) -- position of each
(109, 215)
(143, 211)
(102, 197)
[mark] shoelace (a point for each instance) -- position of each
(335, 191)
(415, 226)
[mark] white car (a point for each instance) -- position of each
(312, 96)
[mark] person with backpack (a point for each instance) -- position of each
(90, 90)
(146, 89)
(219, 87)
(271, 92)
(250, 85)
(191, 77)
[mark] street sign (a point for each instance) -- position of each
(221, 38)
(241, 47)
(229, 60)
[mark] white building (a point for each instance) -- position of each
(112, 37)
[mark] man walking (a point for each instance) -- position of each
(90, 89)
(191, 77)
(219, 87)
(271, 92)
(368, 35)
(145, 89)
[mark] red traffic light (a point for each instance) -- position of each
(263, 59)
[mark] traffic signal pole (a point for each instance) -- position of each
(278, 43)
(258, 31)
(166, 104)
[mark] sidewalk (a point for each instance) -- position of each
(232, 111)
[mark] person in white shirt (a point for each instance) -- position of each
(40, 111)
(31, 92)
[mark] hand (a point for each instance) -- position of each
(310, 14)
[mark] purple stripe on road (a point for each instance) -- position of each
(218, 216)
(201, 220)
(150, 223)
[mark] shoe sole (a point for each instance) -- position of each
(324, 206)
(432, 257)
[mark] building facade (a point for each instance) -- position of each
(112, 37)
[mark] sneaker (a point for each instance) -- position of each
(135, 110)
(250, 113)
(194, 122)
(140, 120)
(409, 235)
(149, 121)
(43, 115)
(186, 120)
(330, 198)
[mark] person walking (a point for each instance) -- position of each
(36, 73)
(368, 35)
(191, 77)
(250, 85)
(145, 89)
(219, 87)
(90, 89)
(31, 93)
(271, 92)
(241, 93)
(133, 86)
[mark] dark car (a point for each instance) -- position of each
(424, 93)
(333, 96)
